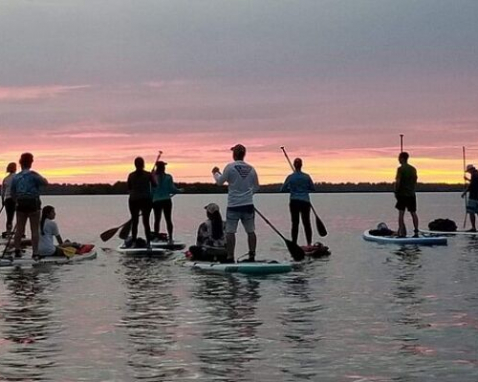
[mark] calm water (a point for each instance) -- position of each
(369, 313)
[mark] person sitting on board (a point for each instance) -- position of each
(162, 202)
(405, 185)
(211, 239)
(299, 184)
(48, 231)
(140, 183)
(7, 200)
(25, 190)
(243, 183)
(472, 190)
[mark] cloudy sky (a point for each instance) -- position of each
(89, 85)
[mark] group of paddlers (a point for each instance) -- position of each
(21, 196)
(216, 239)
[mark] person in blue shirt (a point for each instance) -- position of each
(299, 184)
(25, 190)
(162, 192)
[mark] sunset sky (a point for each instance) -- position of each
(87, 86)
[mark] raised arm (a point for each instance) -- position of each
(218, 177)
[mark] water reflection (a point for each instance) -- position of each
(229, 339)
(27, 323)
(300, 320)
(407, 285)
(149, 320)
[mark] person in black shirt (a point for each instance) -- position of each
(472, 190)
(140, 183)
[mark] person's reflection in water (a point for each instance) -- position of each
(27, 323)
(406, 298)
(300, 319)
(230, 337)
(150, 320)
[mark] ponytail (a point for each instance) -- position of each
(217, 225)
(44, 215)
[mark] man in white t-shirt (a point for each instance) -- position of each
(242, 185)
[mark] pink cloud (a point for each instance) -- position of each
(36, 92)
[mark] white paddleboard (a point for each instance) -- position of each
(422, 240)
(457, 233)
(27, 261)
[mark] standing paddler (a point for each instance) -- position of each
(25, 190)
(472, 190)
(405, 185)
(299, 184)
(243, 183)
(7, 199)
(140, 183)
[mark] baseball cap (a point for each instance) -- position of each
(211, 208)
(469, 167)
(160, 163)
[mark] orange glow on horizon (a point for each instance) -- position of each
(271, 169)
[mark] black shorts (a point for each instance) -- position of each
(406, 202)
(28, 205)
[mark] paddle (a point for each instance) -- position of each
(466, 199)
(295, 251)
(318, 222)
(8, 242)
(125, 227)
(108, 234)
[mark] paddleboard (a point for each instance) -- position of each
(463, 233)
(24, 242)
(152, 251)
(27, 261)
(422, 240)
(317, 250)
(255, 268)
(174, 246)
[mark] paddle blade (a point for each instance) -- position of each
(320, 227)
(318, 222)
(295, 251)
(105, 236)
(124, 233)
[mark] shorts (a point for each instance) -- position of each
(243, 213)
(28, 205)
(406, 202)
(472, 206)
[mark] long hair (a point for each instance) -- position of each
(160, 171)
(44, 215)
(217, 225)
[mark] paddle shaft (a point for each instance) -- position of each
(269, 224)
(401, 143)
(288, 159)
(8, 241)
(464, 183)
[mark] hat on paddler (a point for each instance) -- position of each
(212, 208)
(470, 167)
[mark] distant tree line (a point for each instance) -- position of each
(120, 188)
